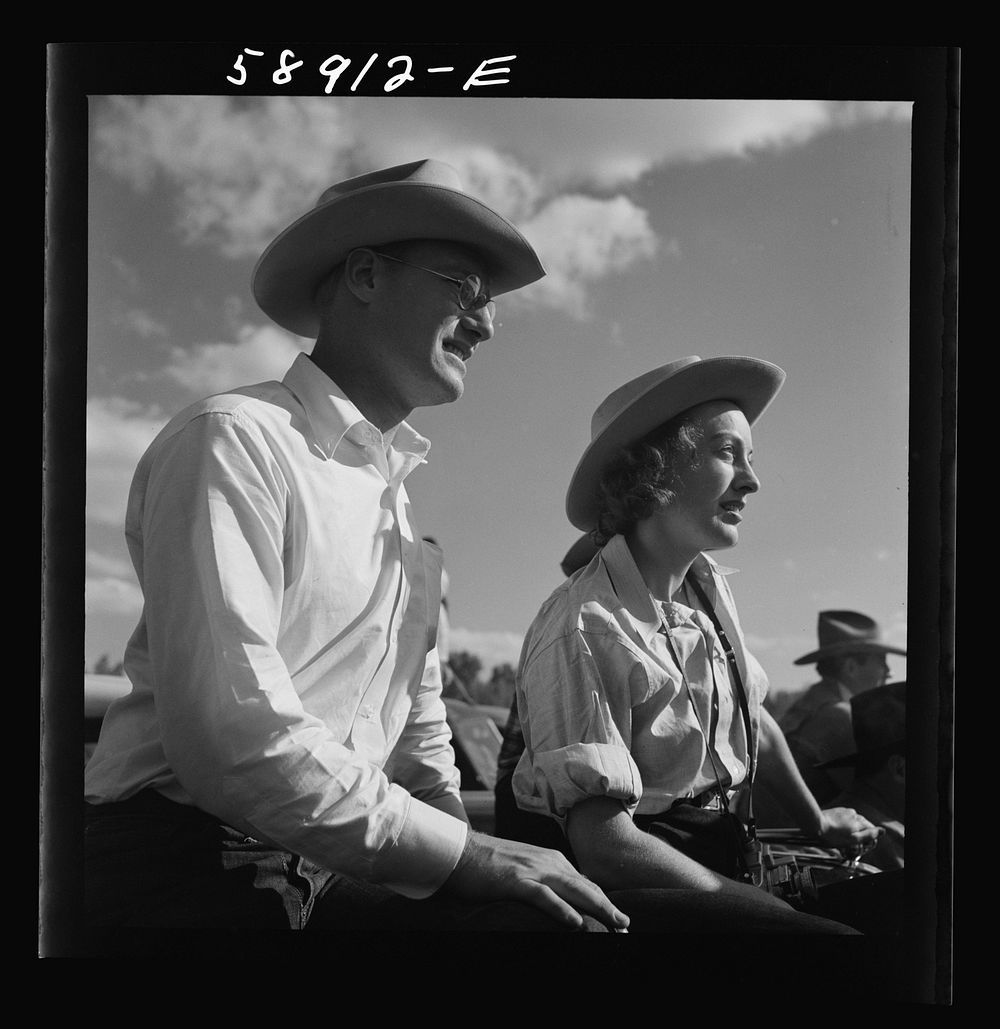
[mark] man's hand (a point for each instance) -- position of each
(844, 828)
(495, 869)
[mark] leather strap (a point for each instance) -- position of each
(741, 692)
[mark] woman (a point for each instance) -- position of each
(640, 732)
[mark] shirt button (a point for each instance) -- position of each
(368, 711)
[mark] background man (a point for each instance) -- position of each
(851, 659)
(283, 757)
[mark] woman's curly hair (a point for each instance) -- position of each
(645, 476)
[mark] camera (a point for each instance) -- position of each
(780, 875)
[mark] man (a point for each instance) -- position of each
(878, 789)
(283, 758)
(851, 659)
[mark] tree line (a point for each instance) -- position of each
(463, 678)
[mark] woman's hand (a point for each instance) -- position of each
(845, 829)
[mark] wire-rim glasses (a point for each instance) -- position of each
(472, 293)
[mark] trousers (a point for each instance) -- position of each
(152, 863)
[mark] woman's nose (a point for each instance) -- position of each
(749, 482)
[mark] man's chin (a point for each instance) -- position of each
(450, 391)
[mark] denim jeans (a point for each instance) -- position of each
(152, 863)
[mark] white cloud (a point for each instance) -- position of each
(118, 432)
(113, 596)
(599, 143)
(856, 112)
(659, 132)
(491, 647)
(262, 353)
(498, 179)
(581, 239)
(714, 128)
(105, 565)
(119, 428)
(142, 324)
(244, 167)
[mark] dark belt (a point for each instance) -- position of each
(709, 800)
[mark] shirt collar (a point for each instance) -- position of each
(634, 593)
(333, 416)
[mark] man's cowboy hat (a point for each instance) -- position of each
(878, 720)
(847, 632)
(421, 200)
(634, 410)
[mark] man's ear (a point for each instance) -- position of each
(897, 766)
(360, 273)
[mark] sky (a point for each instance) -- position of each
(777, 229)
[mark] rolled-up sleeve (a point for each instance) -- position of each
(576, 715)
(234, 728)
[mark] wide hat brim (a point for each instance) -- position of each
(290, 270)
(749, 383)
(848, 647)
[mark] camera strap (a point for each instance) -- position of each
(737, 678)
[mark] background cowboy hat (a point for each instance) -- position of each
(847, 632)
(420, 200)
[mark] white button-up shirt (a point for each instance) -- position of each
(610, 707)
(284, 671)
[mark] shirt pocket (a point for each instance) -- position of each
(653, 683)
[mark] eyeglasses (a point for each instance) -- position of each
(472, 294)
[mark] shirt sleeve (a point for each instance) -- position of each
(233, 727)
(576, 716)
(423, 761)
